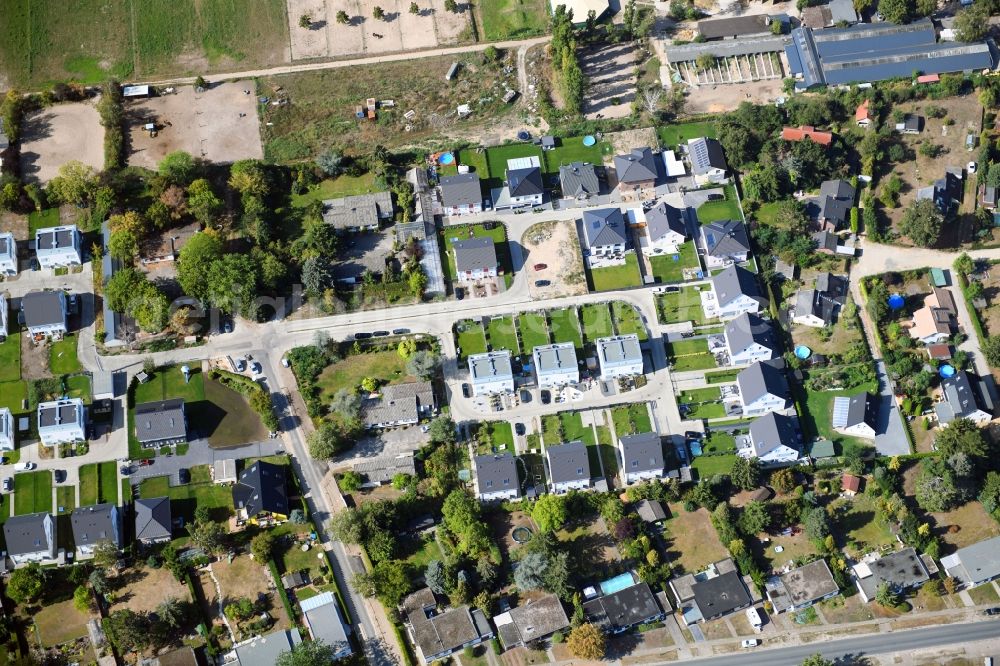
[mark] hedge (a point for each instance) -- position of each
(259, 400)
(404, 645)
(282, 592)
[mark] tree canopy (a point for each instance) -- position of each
(922, 223)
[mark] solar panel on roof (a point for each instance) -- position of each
(840, 408)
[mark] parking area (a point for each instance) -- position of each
(556, 247)
(610, 73)
(387, 444)
(59, 134)
(361, 252)
(218, 124)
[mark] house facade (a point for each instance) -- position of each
(153, 520)
(965, 397)
(801, 587)
(95, 524)
(491, 373)
(734, 292)
(161, 423)
(45, 314)
(708, 161)
(763, 388)
(856, 415)
(62, 421)
(724, 242)
(358, 213)
(619, 356)
(496, 478)
(579, 181)
(642, 457)
(975, 564)
(399, 405)
(749, 339)
(524, 184)
(31, 538)
(461, 194)
(604, 232)
(58, 247)
(569, 467)
(666, 229)
(475, 259)
(260, 496)
(636, 170)
(773, 440)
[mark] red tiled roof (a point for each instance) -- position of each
(862, 111)
(928, 78)
(939, 352)
(806, 132)
(851, 483)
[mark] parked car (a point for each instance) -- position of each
(540, 267)
(750, 642)
(992, 611)
(525, 395)
(542, 283)
(8, 484)
(971, 167)
(227, 326)
(466, 390)
(545, 396)
(184, 475)
(60, 475)
(25, 466)
(362, 336)
(459, 293)
(256, 368)
(241, 364)
(125, 470)
(400, 331)
(284, 362)
(380, 334)
(519, 429)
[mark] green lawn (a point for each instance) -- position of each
(690, 362)
(611, 278)
(498, 233)
(718, 442)
(78, 386)
(631, 419)
(766, 212)
(32, 492)
(65, 499)
(565, 326)
(502, 434)
(682, 347)
(333, 188)
(62, 356)
(386, 366)
(496, 157)
(10, 353)
(819, 414)
(627, 320)
(185, 499)
(98, 483)
(666, 269)
(503, 335)
(533, 329)
(229, 418)
(42, 220)
(89, 484)
(682, 305)
(109, 482)
(165, 383)
(690, 355)
(706, 394)
(567, 427)
(705, 410)
(476, 161)
(707, 466)
(723, 209)
(672, 135)
(721, 377)
(571, 149)
(596, 318)
(471, 338)
(509, 19)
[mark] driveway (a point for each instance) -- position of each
(892, 441)
(200, 453)
(387, 444)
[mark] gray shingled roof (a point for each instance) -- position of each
(568, 462)
(43, 308)
(963, 395)
(398, 402)
(497, 473)
(734, 281)
(475, 254)
(461, 190)
(636, 167)
(152, 518)
(538, 618)
(646, 449)
(525, 182)
(760, 379)
(838, 189)
(578, 178)
(724, 238)
(164, 419)
(92, 524)
(261, 487)
(745, 330)
(773, 430)
(825, 240)
(664, 218)
(736, 26)
(359, 210)
(705, 154)
(859, 408)
(26, 534)
(603, 226)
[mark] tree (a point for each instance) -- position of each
(922, 223)
(817, 524)
(130, 292)
(491, 54)
(262, 547)
(105, 554)
(936, 486)
(651, 99)
(462, 517)
(170, 611)
(177, 168)
(74, 184)
(896, 11)
(378, 13)
(972, 23)
(351, 481)
(414, 8)
(451, 6)
(587, 642)
(755, 518)
(346, 404)
(783, 480)
(417, 281)
(195, 263)
(423, 364)
(123, 245)
(991, 349)
(343, 18)
(210, 536)
(746, 473)
(202, 514)
(530, 572)
(305, 21)
(436, 577)
(308, 653)
(962, 435)
(886, 596)
(232, 283)
(328, 441)
(705, 62)
(202, 201)
(83, 601)
(127, 630)
(406, 347)
(549, 512)
(389, 581)
(25, 584)
(249, 178)
(98, 580)
(331, 162)
(442, 430)
(817, 659)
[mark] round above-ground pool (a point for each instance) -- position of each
(521, 534)
(896, 301)
(803, 352)
(947, 371)
(446, 158)
(523, 135)
(589, 140)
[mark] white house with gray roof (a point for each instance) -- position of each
(666, 229)
(359, 212)
(491, 373)
(579, 181)
(749, 339)
(153, 520)
(524, 185)
(324, 622)
(642, 457)
(6, 430)
(619, 356)
(975, 564)
(569, 467)
(161, 423)
(773, 440)
(856, 415)
(496, 478)
(556, 365)
(58, 247)
(62, 421)
(8, 254)
(475, 259)
(965, 397)
(95, 524)
(399, 405)
(708, 161)
(763, 388)
(31, 538)
(636, 170)
(734, 292)
(45, 314)
(461, 194)
(604, 231)
(724, 242)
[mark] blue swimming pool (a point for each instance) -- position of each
(618, 583)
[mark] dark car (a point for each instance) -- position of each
(466, 390)
(519, 428)
(992, 611)
(362, 336)
(459, 293)
(227, 327)
(545, 396)
(8, 484)
(525, 395)
(60, 475)
(400, 331)
(380, 334)
(542, 283)
(184, 475)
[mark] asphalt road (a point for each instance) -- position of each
(896, 641)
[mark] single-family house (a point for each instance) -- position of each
(966, 396)
(524, 184)
(642, 457)
(491, 373)
(666, 229)
(834, 13)
(801, 587)
(322, 618)
(901, 570)
(259, 495)
(911, 124)
(735, 291)
(856, 415)
(862, 114)
(933, 323)
(619, 611)
(58, 247)
(556, 365)
(619, 356)
(832, 208)
(62, 421)
(713, 593)
(773, 440)
(31, 538)
(8, 254)
(95, 524)
(381, 470)
(358, 212)
(461, 194)
(826, 241)
(749, 339)
(6, 430)
(946, 192)
(475, 259)
(578, 180)
(850, 485)
(262, 650)
(604, 232)
(808, 309)
(763, 388)
(161, 423)
(708, 161)
(636, 171)
(972, 565)
(532, 621)
(153, 520)
(652, 511)
(438, 634)
(45, 314)
(496, 478)
(569, 467)
(819, 307)
(724, 242)
(988, 195)
(399, 405)
(939, 352)
(806, 133)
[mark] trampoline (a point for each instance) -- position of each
(446, 158)
(589, 140)
(947, 371)
(803, 352)
(521, 534)
(896, 301)
(523, 135)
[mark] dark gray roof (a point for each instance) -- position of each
(737, 26)
(261, 487)
(358, 210)
(382, 469)
(721, 595)
(746, 329)
(826, 240)
(644, 450)
(636, 167)
(447, 631)
(603, 226)
(538, 618)
(705, 154)
(663, 218)
(58, 412)
(652, 511)
(43, 308)
(497, 473)
(26, 534)
(475, 254)
(322, 617)
(92, 524)
(854, 410)
(978, 562)
(164, 419)
(54, 238)
(264, 651)
(838, 189)
(568, 462)
(773, 430)
(763, 378)
(398, 402)
(832, 286)
(525, 182)
(461, 190)
(964, 394)
(904, 568)
(623, 609)
(152, 518)
(834, 211)
(578, 178)
(734, 281)
(725, 238)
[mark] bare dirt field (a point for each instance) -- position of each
(14, 223)
(556, 245)
(219, 124)
(398, 30)
(146, 588)
(721, 98)
(610, 74)
(624, 142)
(59, 134)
